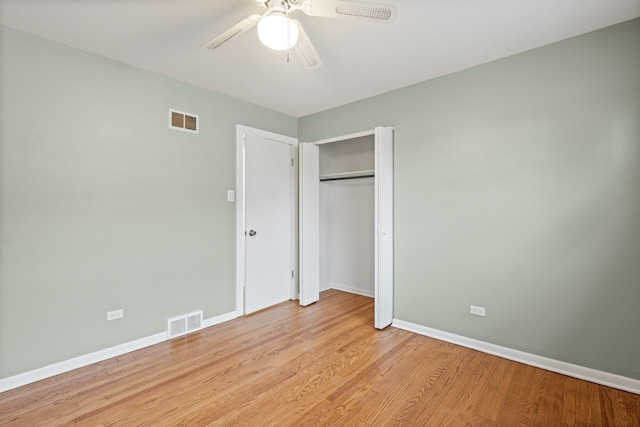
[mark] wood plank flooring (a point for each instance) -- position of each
(322, 365)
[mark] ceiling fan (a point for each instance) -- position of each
(277, 31)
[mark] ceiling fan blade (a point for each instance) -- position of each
(241, 27)
(305, 50)
(377, 12)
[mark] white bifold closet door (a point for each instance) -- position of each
(383, 188)
(309, 244)
(309, 223)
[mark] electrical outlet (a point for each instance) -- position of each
(478, 311)
(115, 314)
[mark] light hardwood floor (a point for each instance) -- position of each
(320, 365)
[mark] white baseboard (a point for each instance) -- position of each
(98, 356)
(220, 319)
(352, 290)
(588, 374)
(78, 362)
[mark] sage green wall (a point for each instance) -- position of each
(517, 188)
(103, 207)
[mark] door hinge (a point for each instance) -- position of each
(292, 274)
(292, 161)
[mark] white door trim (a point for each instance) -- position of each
(384, 207)
(345, 137)
(241, 132)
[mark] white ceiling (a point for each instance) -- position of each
(429, 38)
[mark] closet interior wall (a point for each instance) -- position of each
(347, 215)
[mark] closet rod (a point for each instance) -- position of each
(347, 177)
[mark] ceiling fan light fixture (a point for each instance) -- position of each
(278, 32)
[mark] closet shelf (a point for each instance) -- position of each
(348, 175)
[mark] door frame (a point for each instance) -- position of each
(384, 241)
(241, 133)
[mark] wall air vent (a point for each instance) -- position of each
(184, 324)
(183, 121)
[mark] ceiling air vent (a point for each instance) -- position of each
(183, 121)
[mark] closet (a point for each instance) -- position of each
(347, 170)
(346, 218)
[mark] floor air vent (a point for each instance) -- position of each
(184, 324)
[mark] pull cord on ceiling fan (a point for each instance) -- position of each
(278, 31)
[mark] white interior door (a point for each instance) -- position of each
(309, 231)
(268, 222)
(384, 227)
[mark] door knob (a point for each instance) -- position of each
(252, 233)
